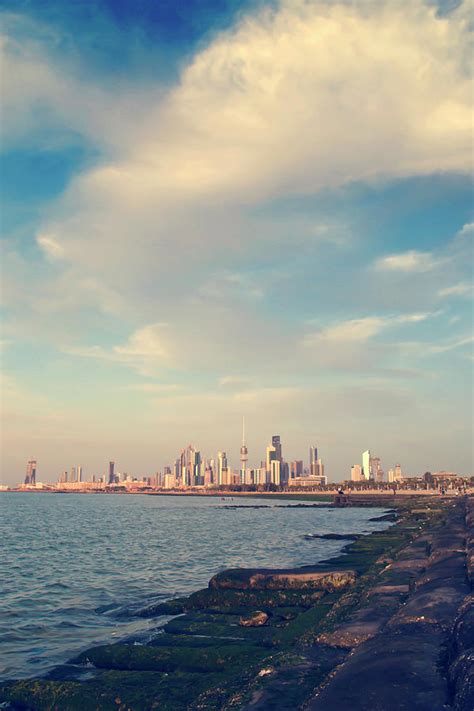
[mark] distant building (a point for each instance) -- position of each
(356, 473)
(243, 455)
(221, 467)
(30, 477)
(366, 464)
(276, 442)
(313, 460)
(296, 468)
(111, 473)
(308, 481)
(271, 457)
(395, 474)
(376, 472)
(275, 472)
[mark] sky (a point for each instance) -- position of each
(218, 208)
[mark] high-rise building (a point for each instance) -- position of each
(366, 464)
(221, 466)
(111, 473)
(319, 468)
(275, 472)
(243, 455)
(313, 460)
(376, 473)
(79, 473)
(30, 477)
(276, 442)
(296, 468)
(271, 456)
(356, 473)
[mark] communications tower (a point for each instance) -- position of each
(243, 455)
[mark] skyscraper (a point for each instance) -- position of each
(296, 468)
(276, 442)
(275, 472)
(356, 473)
(313, 460)
(30, 477)
(366, 464)
(111, 473)
(221, 467)
(243, 455)
(271, 457)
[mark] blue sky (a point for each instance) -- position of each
(213, 209)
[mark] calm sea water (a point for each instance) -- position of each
(76, 568)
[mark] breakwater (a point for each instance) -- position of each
(386, 625)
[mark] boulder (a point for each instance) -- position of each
(300, 579)
(390, 672)
(461, 675)
(464, 626)
(254, 619)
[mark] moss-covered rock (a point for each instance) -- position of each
(253, 619)
(132, 657)
(298, 579)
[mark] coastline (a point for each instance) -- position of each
(207, 657)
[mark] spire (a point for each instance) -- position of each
(243, 449)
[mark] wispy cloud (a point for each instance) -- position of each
(361, 329)
(462, 289)
(50, 246)
(146, 351)
(411, 262)
(452, 345)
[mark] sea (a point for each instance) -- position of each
(77, 569)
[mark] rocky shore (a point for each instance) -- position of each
(388, 625)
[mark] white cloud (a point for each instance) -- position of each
(50, 246)
(411, 261)
(362, 329)
(452, 345)
(462, 289)
(147, 351)
(401, 105)
(467, 230)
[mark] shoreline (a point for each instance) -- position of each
(352, 494)
(331, 609)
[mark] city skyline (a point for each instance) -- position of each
(193, 229)
(192, 468)
(364, 469)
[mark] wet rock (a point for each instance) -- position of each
(461, 676)
(437, 606)
(170, 607)
(464, 626)
(333, 536)
(390, 590)
(392, 516)
(254, 619)
(388, 673)
(129, 657)
(300, 579)
(362, 625)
